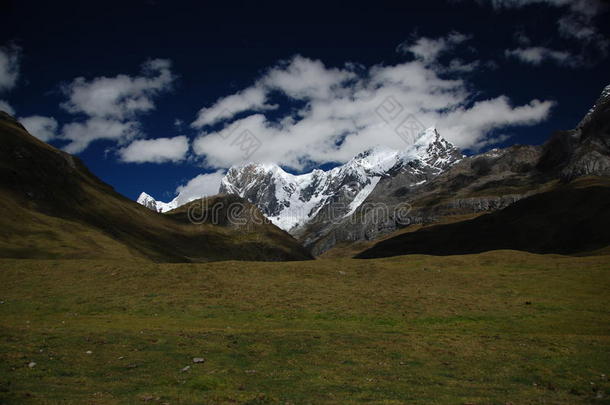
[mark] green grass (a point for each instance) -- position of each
(402, 330)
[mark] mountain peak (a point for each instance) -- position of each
(159, 206)
(291, 201)
(144, 197)
(602, 100)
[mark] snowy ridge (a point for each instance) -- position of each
(158, 206)
(291, 201)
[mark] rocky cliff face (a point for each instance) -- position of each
(584, 150)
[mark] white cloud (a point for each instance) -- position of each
(338, 117)
(112, 104)
(121, 96)
(156, 150)
(201, 186)
(6, 107)
(81, 134)
(536, 55)
(299, 78)
(43, 128)
(428, 50)
(578, 22)
(470, 125)
(459, 66)
(250, 99)
(303, 79)
(9, 67)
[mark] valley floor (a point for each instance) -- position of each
(494, 328)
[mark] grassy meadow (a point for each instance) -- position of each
(501, 327)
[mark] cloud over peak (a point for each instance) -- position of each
(337, 113)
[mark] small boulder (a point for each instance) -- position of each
(198, 360)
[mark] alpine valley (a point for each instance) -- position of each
(383, 191)
(403, 276)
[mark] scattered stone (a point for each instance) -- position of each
(89, 352)
(121, 358)
(574, 391)
(185, 369)
(32, 364)
(198, 360)
(250, 371)
(342, 273)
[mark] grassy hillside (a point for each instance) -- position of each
(495, 328)
(53, 207)
(570, 219)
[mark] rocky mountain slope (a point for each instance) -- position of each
(481, 183)
(584, 150)
(571, 218)
(310, 204)
(54, 207)
(381, 191)
(477, 184)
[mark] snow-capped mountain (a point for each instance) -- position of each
(158, 206)
(291, 201)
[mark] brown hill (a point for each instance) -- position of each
(54, 207)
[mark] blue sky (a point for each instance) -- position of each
(152, 94)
